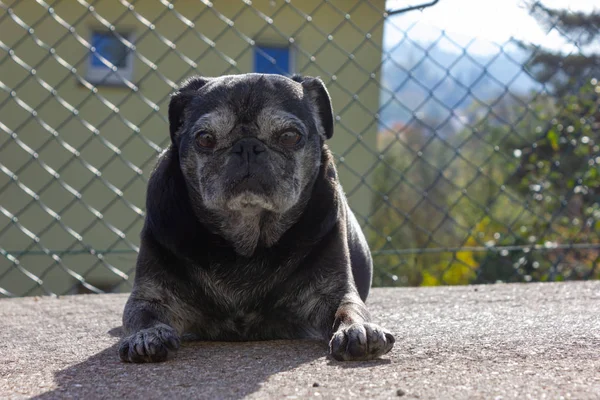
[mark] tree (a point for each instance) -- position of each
(565, 73)
(558, 173)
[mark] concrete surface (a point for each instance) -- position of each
(491, 342)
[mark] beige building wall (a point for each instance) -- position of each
(87, 151)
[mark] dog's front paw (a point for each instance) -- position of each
(149, 345)
(360, 342)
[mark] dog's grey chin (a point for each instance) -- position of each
(249, 202)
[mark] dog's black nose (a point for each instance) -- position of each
(249, 149)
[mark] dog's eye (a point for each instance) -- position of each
(289, 139)
(207, 140)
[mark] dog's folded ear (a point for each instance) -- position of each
(179, 100)
(319, 96)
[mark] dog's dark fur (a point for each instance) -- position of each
(250, 240)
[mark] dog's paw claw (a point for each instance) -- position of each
(360, 342)
(149, 345)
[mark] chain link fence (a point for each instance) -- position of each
(462, 166)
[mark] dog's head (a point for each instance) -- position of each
(250, 143)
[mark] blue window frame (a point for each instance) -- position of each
(110, 47)
(272, 60)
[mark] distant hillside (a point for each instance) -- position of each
(432, 84)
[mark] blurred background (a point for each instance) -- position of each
(467, 132)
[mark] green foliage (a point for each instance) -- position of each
(530, 180)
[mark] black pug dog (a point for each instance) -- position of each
(248, 235)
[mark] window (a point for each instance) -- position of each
(112, 49)
(273, 60)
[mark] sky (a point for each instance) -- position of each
(490, 21)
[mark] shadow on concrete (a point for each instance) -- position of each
(199, 370)
(116, 332)
(358, 364)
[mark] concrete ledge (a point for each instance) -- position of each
(497, 341)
